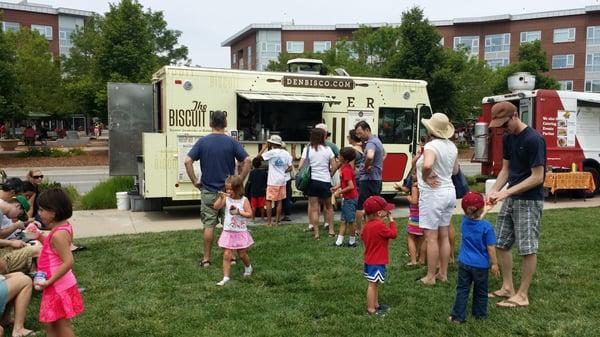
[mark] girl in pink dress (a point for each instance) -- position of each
(61, 299)
(235, 235)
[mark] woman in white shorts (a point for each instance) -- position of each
(437, 196)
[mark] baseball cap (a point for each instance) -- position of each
(501, 112)
(323, 126)
(23, 202)
(13, 184)
(472, 199)
(375, 203)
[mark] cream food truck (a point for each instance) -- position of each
(153, 126)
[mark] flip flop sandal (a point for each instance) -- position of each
(511, 304)
(497, 294)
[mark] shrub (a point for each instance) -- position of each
(70, 189)
(50, 152)
(102, 196)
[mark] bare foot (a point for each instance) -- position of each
(23, 332)
(441, 278)
(426, 281)
(514, 302)
(501, 293)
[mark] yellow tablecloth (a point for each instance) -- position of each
(569, 181)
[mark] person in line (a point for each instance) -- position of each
(414, 234)
(280, 163)
(287, 203)
(347, 189)
(369, 183)
(477, 252)
(61, 299)
(217, 153)
(322, 165)
(376, 236)
(258, 188)
(15, 293)
(437, 196)
(519, 219)
(335, 178)
(235, 235)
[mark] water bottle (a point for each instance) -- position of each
(573, 167)
(38, 278)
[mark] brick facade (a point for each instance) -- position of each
(26, 19)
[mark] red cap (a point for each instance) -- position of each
(375, 203)
(472, 199)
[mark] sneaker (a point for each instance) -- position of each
(248, 271)
(309, 229)
(286, 218)
(223, 281)
(383, 307)
(378, 313)
(352, 244)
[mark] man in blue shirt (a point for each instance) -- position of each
(523, 168)
(217, 153)
(369, 180)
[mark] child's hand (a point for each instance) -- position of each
(223, 194)
(234, 210)
(495, 270)
(398, 187)
(20, 224)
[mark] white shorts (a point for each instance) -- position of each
(436, 207)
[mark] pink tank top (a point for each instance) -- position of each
(50, 261)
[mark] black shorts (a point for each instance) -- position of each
(319, 189)
(367, 188)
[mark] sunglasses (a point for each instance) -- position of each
(38, 177)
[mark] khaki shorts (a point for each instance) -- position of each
(19, 259)
(209, 216)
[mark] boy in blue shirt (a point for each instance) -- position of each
(477, 249)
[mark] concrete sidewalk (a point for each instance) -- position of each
(115, 222)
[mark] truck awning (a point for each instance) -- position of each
(254, 96)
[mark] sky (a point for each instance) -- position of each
(205, 26)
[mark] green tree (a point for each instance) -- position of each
(8, 84)
(37, 75)
(531, 58)
(128, 44)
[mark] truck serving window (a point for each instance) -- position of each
(396, 125)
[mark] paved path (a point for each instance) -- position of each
(82, 177)
(113, 222)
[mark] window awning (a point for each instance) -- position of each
(259, 96)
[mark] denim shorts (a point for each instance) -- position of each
(349, 210)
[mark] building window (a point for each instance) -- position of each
(566, 85)
(296, 47)
(233, 58)
(497, 63)
(563, 61)
(496, 43)
(531, 36)
(10, 26)
(45, 31)
(564, 35)
(321, 46)
(592, 62)
(592, 86)
(64, 37)
(441, 43)
(471, 43)
(593, 35)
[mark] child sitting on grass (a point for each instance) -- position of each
(235, 235)
(477, 249)
(376, 236)
(347, 189)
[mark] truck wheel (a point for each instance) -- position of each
(596, 176)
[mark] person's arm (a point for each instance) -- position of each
(61, 242)
(246, 165)
(390, 231)
(189, 169)
(302, 157)
(493, 260)
(369, 157)
(247, 211)
(427, 170)
(413, 198)
(5, 232)
(333, 166)
(456, 167)
(16, 244)
(220, 202)
(535, 179)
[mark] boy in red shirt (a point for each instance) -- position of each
(347, 189)
(376, 235)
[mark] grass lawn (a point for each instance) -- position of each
(150, 285)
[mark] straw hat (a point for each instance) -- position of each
(439, 125)
(275, 139)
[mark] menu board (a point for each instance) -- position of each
(184, 145)
(566, 126)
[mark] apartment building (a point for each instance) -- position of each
(571, 39)
(55, 24)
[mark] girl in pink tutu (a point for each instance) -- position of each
(61, 299)
(235, 235)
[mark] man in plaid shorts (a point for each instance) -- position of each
(518, 222)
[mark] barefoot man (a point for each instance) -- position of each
(523, 167)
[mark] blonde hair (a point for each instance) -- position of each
(30, 173)
(237, 185)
